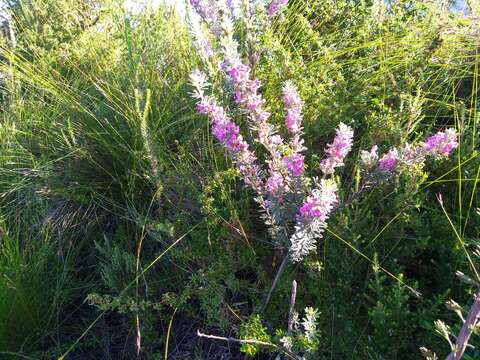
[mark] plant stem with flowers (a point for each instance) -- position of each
(285, 193)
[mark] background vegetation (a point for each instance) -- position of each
(123, 223)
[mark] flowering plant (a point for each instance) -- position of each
(296, 206)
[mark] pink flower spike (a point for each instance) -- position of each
(338, 149)
(228, 134)
(293, 104)
(247, 96)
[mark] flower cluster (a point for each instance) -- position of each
(227, 133)
(275, 6)
(282, 187)
(248, 97)
(293, 104)
(338, 150)
(295, 164)
(293, 120)
(311, 219)
(245, 87)
(389, 161)
(442, 143)
(274, 183)
(200, 39)
(320, 203)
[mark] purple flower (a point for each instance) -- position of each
(293, 104)
(251, 101)
(275, 6)
(225, 130)
(227, 133)
(320, 203)
(338, 149)
(292, 121)
(203, 107)
(195, 3)
(205, 8)
(238, 71)
(389, 161)
(295, 164)
(291, 98)
(274, 183)
(310, 209)
(442, 143)
(255, 102)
